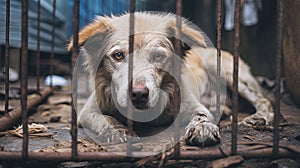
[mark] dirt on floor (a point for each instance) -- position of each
(49, 130)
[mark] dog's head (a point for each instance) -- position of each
(105, 44)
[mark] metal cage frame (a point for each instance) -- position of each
(272, 150)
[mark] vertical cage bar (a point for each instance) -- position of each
(130, 68)
(74, 78)
(235, 76)
(219, 38)
(7, 56)
(278, 78)
(52, 42)
(176, 103)
(24, 75)
(38, 46)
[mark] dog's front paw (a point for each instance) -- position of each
(202, 133)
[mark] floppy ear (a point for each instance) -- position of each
(190, 36)
(100, 25)
(91, 40)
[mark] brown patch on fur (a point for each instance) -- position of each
(98, 26)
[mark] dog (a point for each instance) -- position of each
(104, 46)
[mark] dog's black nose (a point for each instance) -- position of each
(140, 95)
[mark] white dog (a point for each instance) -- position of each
(104, 44)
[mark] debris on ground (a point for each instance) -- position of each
(66, 146)
(34, 130)
(53, 118)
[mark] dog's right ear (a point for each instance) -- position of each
(100, 26)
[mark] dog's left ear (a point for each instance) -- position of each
(190, 36)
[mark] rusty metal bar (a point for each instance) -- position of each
(52, 42)
(38, 46)
(6, 122)
(219, 38)
(7, 56)
(74, 78)
(278, 78)
(176, 103)
(121, 156)
(235, 77)
(24, 75)
(130, 68)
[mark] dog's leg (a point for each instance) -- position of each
(106, 127)
(200, 129)
(247, 86)
(251, 91)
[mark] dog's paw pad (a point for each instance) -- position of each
(202, 134)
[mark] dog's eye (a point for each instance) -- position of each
(118, 56)
(158, 57)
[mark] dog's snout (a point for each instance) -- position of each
(140, 95)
